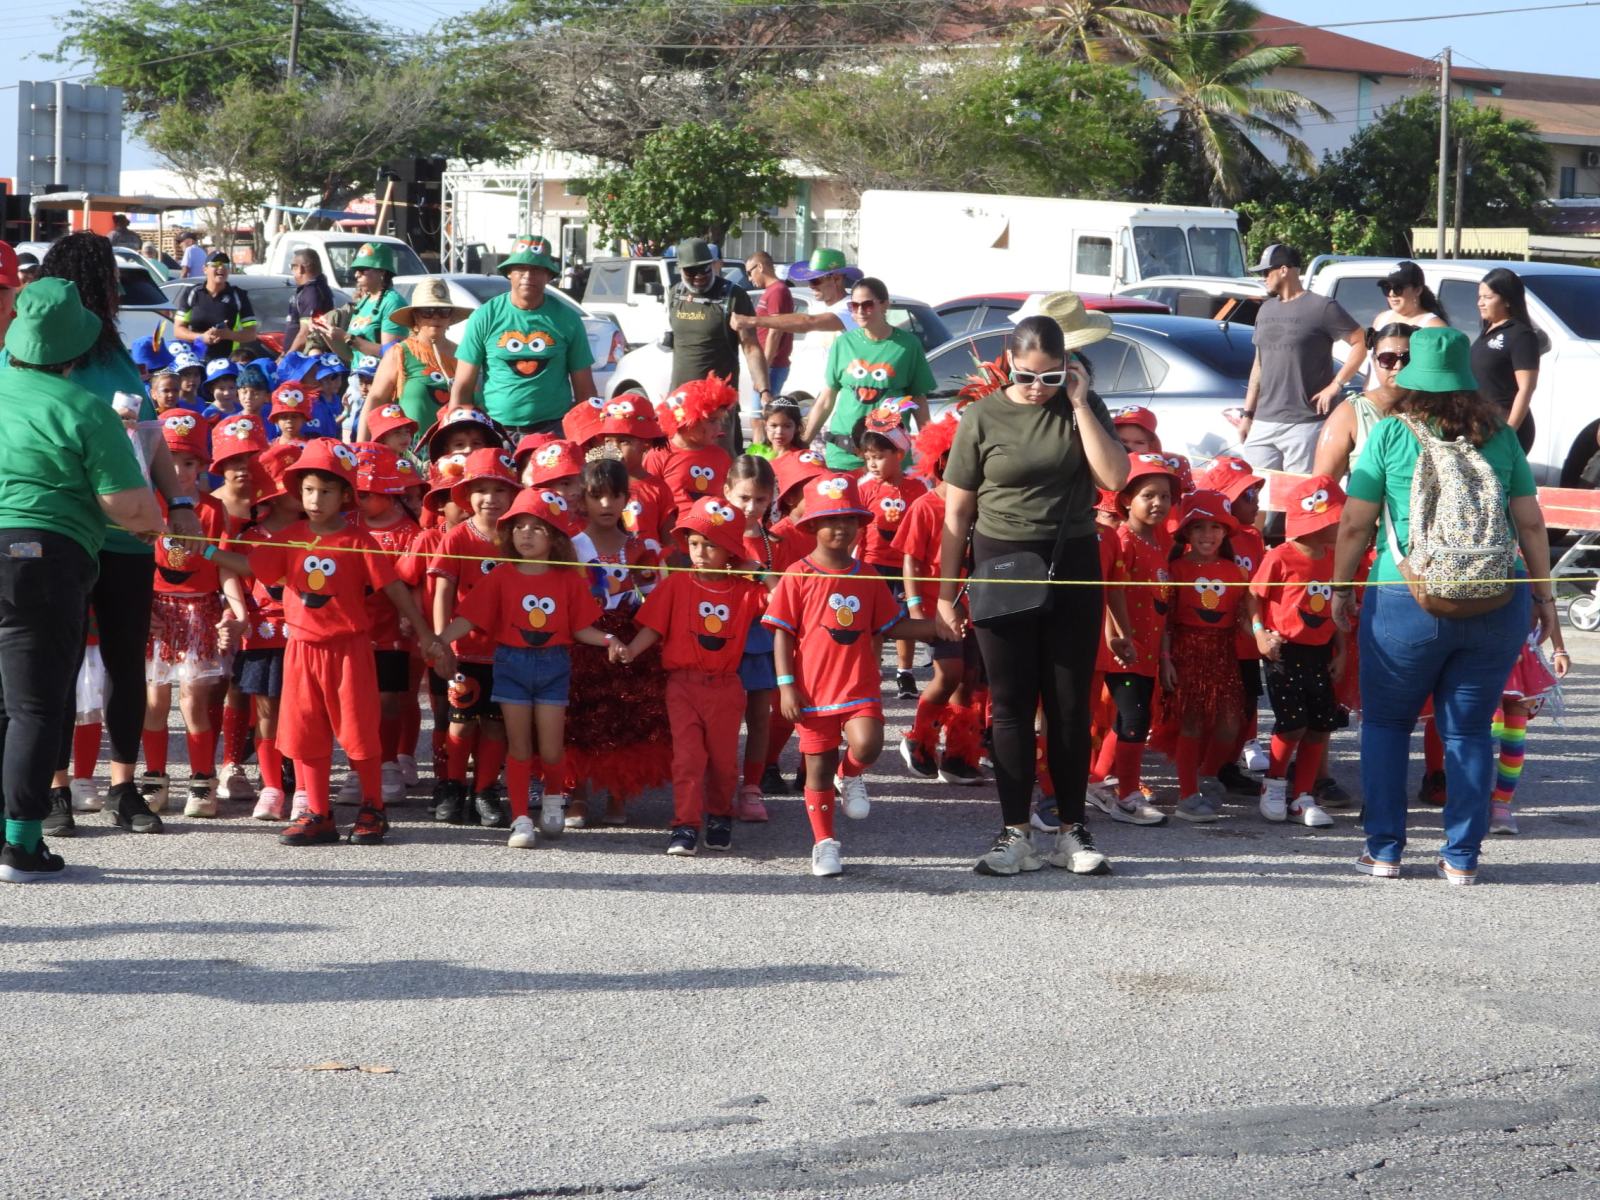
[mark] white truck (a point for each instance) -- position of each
(336, 247)
(939, 245)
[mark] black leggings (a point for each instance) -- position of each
(1133, 695)
(121, 602)
(1044, 656)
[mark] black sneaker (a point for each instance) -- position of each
(129, 810)
(469, 810)
(492, 810)
(962, 774)
(719, 833)
(371, 824)
(59, 822)
(685, 840)
(449, 798)
(1238, 781)
(772, 782)
(905, 685)
(915, 755)
(30, 866)
(1330, 793)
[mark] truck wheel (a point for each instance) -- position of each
(1584, 613)
(1583, 449)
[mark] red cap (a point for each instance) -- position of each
(529, 443)
(449, 418)
(329, 457)
(695, 401)
(487, 463)
(1313, 504)
(291, 396)
(1204, 506)
(1230, 475)
(9, 275)
(715, 519)
(793, 470)
(236, 435)
(550, 507)
(184, 432)
(387, 419)
(830, 495)
(558, 460)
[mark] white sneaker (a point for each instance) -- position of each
(1137, 810)
(153, 790)
(302, 805)
(1275, 799)
(271, 805)
(523, 835)
(1075, 851)
(1306, 809)
(552, 820)
(1254, 758)
(1102, 795)
(853, 798)
(394, 783)
(350, 788)
(408, 770)
(85, 796)
(825, 858)
(1012, 852)
(235, 784)
(202, 799)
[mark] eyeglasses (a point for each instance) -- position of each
(696, 272)
(863, 305)
(1047, 378)
(1390, 359)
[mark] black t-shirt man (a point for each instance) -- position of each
(200, 310)
(702, 339)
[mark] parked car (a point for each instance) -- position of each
(336, 248)
(158, 273)
(1216, 297)
(1564, 302)
(470, 291)
(1186, 369)
(648, 368)
(971, 314)
(634, 291)
(270, 297)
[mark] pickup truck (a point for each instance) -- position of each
(634, 290)
(336, 248)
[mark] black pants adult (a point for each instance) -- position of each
(1046, 656)
(121, 599)
(44, 579)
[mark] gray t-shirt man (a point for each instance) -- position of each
(1294, 345)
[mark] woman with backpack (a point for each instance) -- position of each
(1443, 621)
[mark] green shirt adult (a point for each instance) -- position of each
(1027, 466)
(423, 390)
(1388, 463)
(61, 448)
(371, 320)
(863, 373)
(526, 357)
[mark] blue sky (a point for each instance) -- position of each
(1556, 42)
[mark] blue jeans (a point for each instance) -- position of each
(1407, 656)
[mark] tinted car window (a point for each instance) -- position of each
(1224, 348)
(1106, 357)
(961, 318)
(954, 367)
(1575, 300)
(1460, 300)
(136, 288)
(1359, 296)
(606, 281)
(486, 287)
(922, 321)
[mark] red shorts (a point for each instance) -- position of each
(330, 689)
(824, 731)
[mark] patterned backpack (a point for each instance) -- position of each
(1463, 547)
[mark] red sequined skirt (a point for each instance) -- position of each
(183, 640)
(617, 735)
(1207, 667)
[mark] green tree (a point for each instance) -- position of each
(1210, 66)
(165, 52)
(690, 180)
(1099, 30)
(1310, 230)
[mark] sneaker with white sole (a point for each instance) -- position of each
(271, 805)
(1102, 795)
(552, 814)
(153, 788)
(918, 759)
(1012, 852)
(1455, 876)
(1075, 851)
(85, 796)
(1275, 799)
(1254, 758)
(301, 806)
(234, 783)
(202, 803)
(394, 783)
(523, 835)
(748, 804)
(38, 865)
(853, 798)
(1502, 818)
(408, 770)
(1137, 810)
(1213, 787)
(1199, 808)
(350, 788)
(960, 773)
(1045, 817)
(825, 858)
(1305, 809)
(1377, 867)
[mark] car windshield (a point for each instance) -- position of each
(1216, 252)
(1161, 250)
(1575, 300)
(339, 255)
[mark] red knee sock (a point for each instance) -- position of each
(1219, 754)
(202, 752)
(1105, 762)
(1188, 764)
(1282, 751)
(1432, 747)
(270, 760)
(155, 751)
(754, 768)
(85, 750)
(924, 731)
(963, 732)
(819, 808)
(389, 738)
(557, 776)
(778, 736)
(235, 724)
(457, 750)
(1129, 761)
(519, 785)
(312, 776)
(370, 772)
(850, 766)
(1308, 766)
(491, 757)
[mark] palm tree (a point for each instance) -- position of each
(1209, 65)
(1099, 30)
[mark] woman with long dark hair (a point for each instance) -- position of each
(1505, 358)
(1022, 478)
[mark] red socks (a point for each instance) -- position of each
(312, 775)
(778, 736)
(1308, 766)
(819, 808)
(457, 750)
(1282, 751)
(850, 766)
(1188, 761)
(85, 750)
(370, 772)
(491, 757)
(389, 738)
(924, 731)
(963, 733)
(155, 751)
(270, 761)
(235, 724)
(1221, 753)
(1128, 760)
(1432, 747)
(202, 752)
(753, 770)
(1106, 760)
(519, 785)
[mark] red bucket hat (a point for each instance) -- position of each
(1313, 504)
(450, 418)
(236, 435)
(1141, 465)
(406, 475)
(793, 470)
(329, 457)
(487, 464)
(291, 397)
(583, 419)
(695, 401)
(387, 419)
(271, 464)
(1230, 475)
(718, 521)
(1137, 414)
(185, 433)
(442, 479)
(529, 443)
(557, 460)
(628, 415)
(1204, 506)
(548, 506)
(831, 495)
(375, 467)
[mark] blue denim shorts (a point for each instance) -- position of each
(531, 675)
(758, 672)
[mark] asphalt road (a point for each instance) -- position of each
(1234, 1012)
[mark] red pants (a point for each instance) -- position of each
(705, 712)
(330, 689)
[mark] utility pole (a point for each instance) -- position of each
(1461, 191)
(1444, 140)
(294, 39)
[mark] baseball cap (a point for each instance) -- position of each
(1275, 256)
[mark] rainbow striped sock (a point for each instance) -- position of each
(1512, 732)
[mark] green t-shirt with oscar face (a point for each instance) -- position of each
(864, 374)
(370, 321)
(526, 357)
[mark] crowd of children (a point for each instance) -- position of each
(605, 608)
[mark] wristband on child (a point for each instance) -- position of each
(785, 680)
(1258, 627)
(913, 601)
(208, 553)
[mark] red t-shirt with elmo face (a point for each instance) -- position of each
(1207, 595)
(465, 555)
(888, 503)
(1302, 609)
(836, 619)
(703, 625)
(689, 474)
(531, 611)
(1125, 557)
(325, 583)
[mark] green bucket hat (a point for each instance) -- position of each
(1441, 361)
(530, 251)
(378, 256)
(51, 324)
